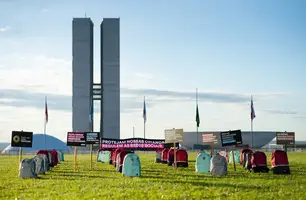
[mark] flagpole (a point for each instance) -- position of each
(252, 131)
(144, 119)
(92, 116)
(45, 123)
(45, 127)
(197, 111)
(252, 120)
(91, 129)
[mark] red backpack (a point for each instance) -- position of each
(279, 158)
(244, 151)
(258, 159)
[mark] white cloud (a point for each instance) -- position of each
(142, 80)
(31, 119)
(143, 76)
(37, 73)
(4, 29)
(43, 74)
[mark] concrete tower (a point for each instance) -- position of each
(110, 78)
(82, 73)
(84, 90)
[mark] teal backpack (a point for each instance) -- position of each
(131, 165)
(202, 165)
(99, 156)
(236, 157)
(104, 156)
(158, 156)
(60, 156)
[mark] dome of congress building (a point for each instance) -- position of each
(39, 144)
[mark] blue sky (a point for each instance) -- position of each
(226, 49)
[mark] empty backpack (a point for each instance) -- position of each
(218, 166)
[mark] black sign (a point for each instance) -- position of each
(133, 144)
(170, 145)
(76, 139)
(285, 138)
(22, 139)
(201, 147)
(231, 138)
(92, 138)
(243, 146)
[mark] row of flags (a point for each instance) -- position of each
(252, 110)
(91, 115)
(144, 114)
(92, 111)
(47, 117)
(46, 111)
(198, 114)
(46, 121)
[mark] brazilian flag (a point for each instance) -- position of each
(197, 116)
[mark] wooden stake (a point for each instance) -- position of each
(233, 156)
(75, 158)
(20, 157)
(210, 149)
(90, 156)
(174, 151)
(20, 154)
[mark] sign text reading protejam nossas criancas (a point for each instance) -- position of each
(135, 143)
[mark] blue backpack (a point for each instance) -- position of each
(131, 165)
(104, 156)
(202, 165)
(236, 157)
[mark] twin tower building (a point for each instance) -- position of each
(84, 90)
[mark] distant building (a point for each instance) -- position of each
(298, 144)
(3, 145)
(260, 138)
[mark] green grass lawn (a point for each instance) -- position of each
(157, 182)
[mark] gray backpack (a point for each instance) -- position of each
(218, 165)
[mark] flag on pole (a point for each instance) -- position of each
(91, 115)
(144, 111)
(252, 110)
(197, 116)
(46, 110)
